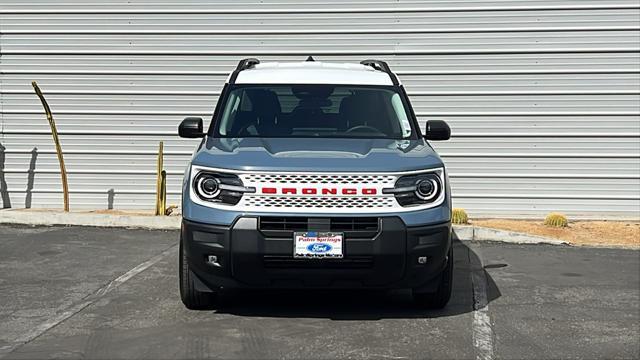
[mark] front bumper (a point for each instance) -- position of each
(250, 256)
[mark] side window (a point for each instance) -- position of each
(229, 113)
(398, 107)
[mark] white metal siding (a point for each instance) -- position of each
(543, 97)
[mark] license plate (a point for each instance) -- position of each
(315, 244)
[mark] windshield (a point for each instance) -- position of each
(325, 111)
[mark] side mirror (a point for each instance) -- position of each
(191, 127)
(437, 130)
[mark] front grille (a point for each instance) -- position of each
(283, 223)
(351, 262)
(354, 224)
(306, 202)
(326, 193)
(319, 179)
(296, 223)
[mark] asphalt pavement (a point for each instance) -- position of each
(82, 292)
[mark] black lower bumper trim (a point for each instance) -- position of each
(250, 258)
(352, 262)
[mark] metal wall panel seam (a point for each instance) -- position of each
(318, 52)
(527, 134)
(413, 93)
(443, 154)
(327, 10)
(103, 152)
(419, 114)
(318, 31)
(451, 175)
(457, 195)
(399, 73)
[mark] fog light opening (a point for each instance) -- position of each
(213, 260)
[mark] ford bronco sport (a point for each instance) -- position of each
(315, 175)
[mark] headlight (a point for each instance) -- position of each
(419, 189)
(207, 186)
(218, 187)
(427, 189)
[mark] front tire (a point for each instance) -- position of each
(440, 298)
(190, 296)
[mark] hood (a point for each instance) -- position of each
(316, 155)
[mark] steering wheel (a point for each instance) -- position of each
(363, 128)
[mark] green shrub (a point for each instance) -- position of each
(459, 216)
(556, 220)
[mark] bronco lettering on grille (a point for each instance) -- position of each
(316, 191)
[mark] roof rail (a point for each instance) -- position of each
(244, 64)
(382, 66)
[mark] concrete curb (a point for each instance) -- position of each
(478, 233)
(25, 217)
(47, 218)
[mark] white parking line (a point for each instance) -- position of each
(65, 312)
(482, 329)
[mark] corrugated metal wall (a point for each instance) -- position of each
(543, 97)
